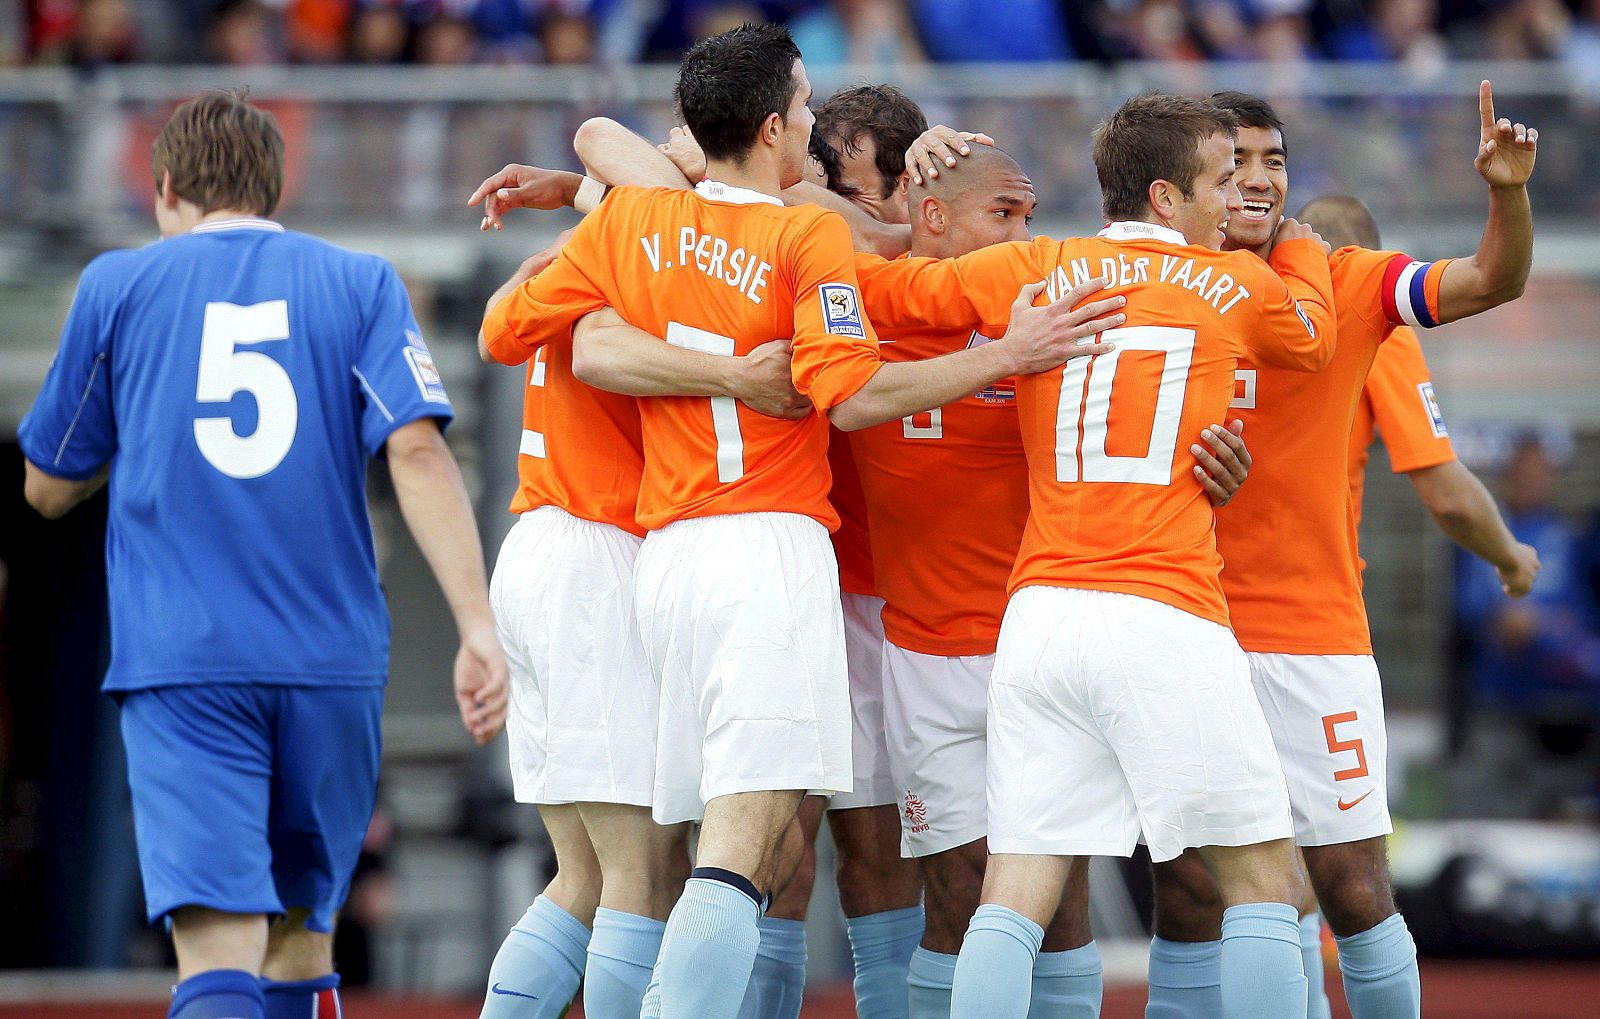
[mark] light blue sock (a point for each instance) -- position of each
(1380, 972)
(1185, 980)
(930, 979)
(1317, 1006)
(301, 999)
(1067, 985)
(218, 994)
(994, 975)
(1262, 974)
(536, 972)
(622, 954)
(881, 945)
(778, 979)
(707, 953)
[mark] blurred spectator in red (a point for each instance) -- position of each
(103, 33)
(315, 30)
(1154, 30)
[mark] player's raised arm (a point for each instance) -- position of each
(617, 156)
(1498, 270)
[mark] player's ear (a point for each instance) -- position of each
(771, 129)
(931, 212)
(1163, 198)
(164, 191)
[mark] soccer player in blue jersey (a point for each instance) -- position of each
(231, 380)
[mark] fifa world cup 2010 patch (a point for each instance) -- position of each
(841, 310)
(427, 375)
(1430, 407)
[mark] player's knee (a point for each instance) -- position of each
(1188, 903)
(294, 951)
(953, 887)
(1352, 884)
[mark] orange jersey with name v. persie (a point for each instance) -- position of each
(1113, 506)
(720, 270)
(947, 498)
(1288, 539)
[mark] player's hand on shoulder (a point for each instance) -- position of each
(1224, 466)
(685, 153)
(482, 685)
(939, 146)
(1040, 337)
(766, 386)
(1294, 230)
(1506, 151)
(519, 186)
(1517, 578)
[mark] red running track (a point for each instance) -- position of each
(1452, 990)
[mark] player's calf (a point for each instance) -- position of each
(778, 976)
(1262, 971)
(881, 893)
(219, 957)
(1377, 956)
(297, 977)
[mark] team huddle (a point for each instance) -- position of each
(839, 494)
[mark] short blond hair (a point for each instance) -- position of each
(222, 153)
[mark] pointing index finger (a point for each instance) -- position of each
(1486, 108)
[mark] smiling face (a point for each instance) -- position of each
(1202, 215)
(1261, 170)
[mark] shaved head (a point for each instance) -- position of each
(985, 165)
(1342, 220)
(984, 199)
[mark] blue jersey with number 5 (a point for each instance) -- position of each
(237, 378)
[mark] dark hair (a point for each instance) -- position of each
(1149, 138)
(828, 158)
(1249, 110)
(731, 83)
(223, 153)
(881, 112)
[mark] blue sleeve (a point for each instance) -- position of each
(398, 379)
(70, 432)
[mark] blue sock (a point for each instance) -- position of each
(881, 945)
(302, 999)
(1380, 972)
(1317, 1006)
(707, 953)
(536, 972)
(1263, 976)
(994, 974)
(930, 980)
(1067, 985)
(218, 994)
(1185, 980)
(622, 954)
(778, 979)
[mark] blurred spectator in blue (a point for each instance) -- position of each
(242, 34)
(1581, 49)
(1277, 30)
(378, 34)
(982, 30)
(1149, 30)
(1538, 658)
(1406, 31)
(857, 32)
(1524, 30)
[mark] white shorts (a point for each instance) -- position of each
(937, 711)
(1112, 716)
(1326, 716)
(741, 623)
(582, 719)
(863, 648)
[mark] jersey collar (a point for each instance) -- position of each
(1129, 230)
(716, 191)
(238, 223)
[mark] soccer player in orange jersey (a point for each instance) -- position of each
(1120, 703)
(582, 725)
(1398, 404)
(947, 498)
(736, 583)
(1293, 585)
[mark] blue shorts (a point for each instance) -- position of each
(251, 799)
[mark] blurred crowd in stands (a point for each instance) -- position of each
(92, 33)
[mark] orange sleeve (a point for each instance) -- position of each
(973, 292)
(544, 308)
(1390, 288)
(1400, 391)
(835, 347)
(1296, 328)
